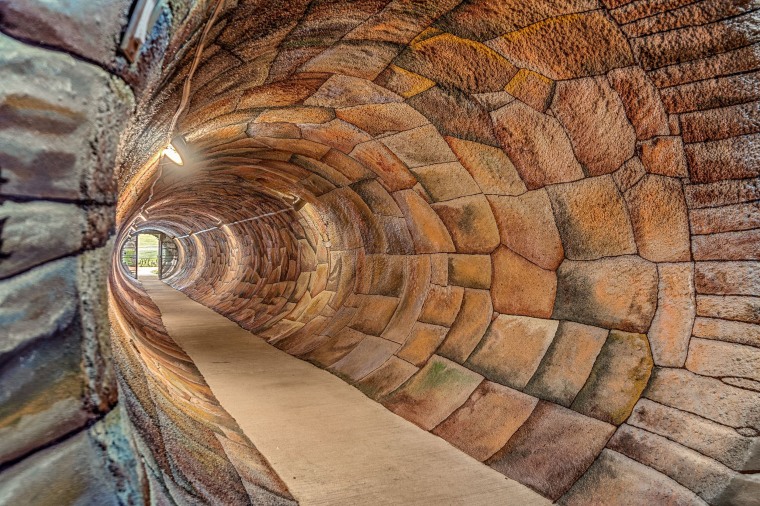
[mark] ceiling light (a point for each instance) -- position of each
(172, 154)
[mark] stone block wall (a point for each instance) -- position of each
(528, 227)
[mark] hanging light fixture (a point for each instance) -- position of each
(175, 150)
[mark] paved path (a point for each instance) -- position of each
(328, 442)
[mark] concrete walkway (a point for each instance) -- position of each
(328, 442)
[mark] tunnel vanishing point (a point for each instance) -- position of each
(526, 230)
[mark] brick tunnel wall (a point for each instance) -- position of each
(528, 227)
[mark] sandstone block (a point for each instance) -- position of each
(366, 356)
(567, 363)
(486, 421)
(512, 349)
(618, 378)
(706, 397)
(614, 476)
(441, 57)
(422, 343)
(470, 222)
(537, 145)
(595, 121)
(641, 101)
(432, 394)
(565, 47)
(471, 323)
(719, 359)
(671, 328)
(616, 293)
(520, 287)
(446, 181)
(712, 439)
(62, 118)
(428, 232)
(386, 378)
(659, 219)
(442, 305)
(527, 227)
(470, 271)
(532, 88)
(664, 156)
(490, 167)
(592, 219)
(552, 449)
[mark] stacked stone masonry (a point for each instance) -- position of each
(529, 227)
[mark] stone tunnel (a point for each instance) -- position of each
(529, 230)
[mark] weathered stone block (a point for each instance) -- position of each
(442, 305)
(536, 144)
(618, 293)
(526, 225)
(618, 378)
(567, 363)
(364, 358)
(552, 449)
(471, 323)
(671, 327)
(484, 424)
(61, 121)
(664, 156)
(422, 342)
(565, 47)
(470, 271)
(641, 101)
(470, 222)
(512, 349)
(595, 121)
(706, 397)
(432, 394)
(592, 219)
(489, 167)
(386, 378)
(616, 478)
(520, 287)
(659, 219)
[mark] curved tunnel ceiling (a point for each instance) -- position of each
(493, 217)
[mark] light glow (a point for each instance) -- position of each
(171, 152)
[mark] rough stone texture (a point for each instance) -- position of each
(641, 101)
(512, 349)
(432, 394)
(92, 33)
(595, 121)
(618, 378)
(552, 449)
(615, 477)
(707, 397)
(37, 232)
(469, 326)
(592, 219)
(520, 287)
(483, 424)
(567, 363)
(676, 307)
(73, 472)
(659, 219)
(708, 438)
(526, 225)
(616, 293)
(569, 46)
(537, 145)
(370, 185)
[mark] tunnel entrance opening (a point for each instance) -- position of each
(149, 254)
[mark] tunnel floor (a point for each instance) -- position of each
(326, 440)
